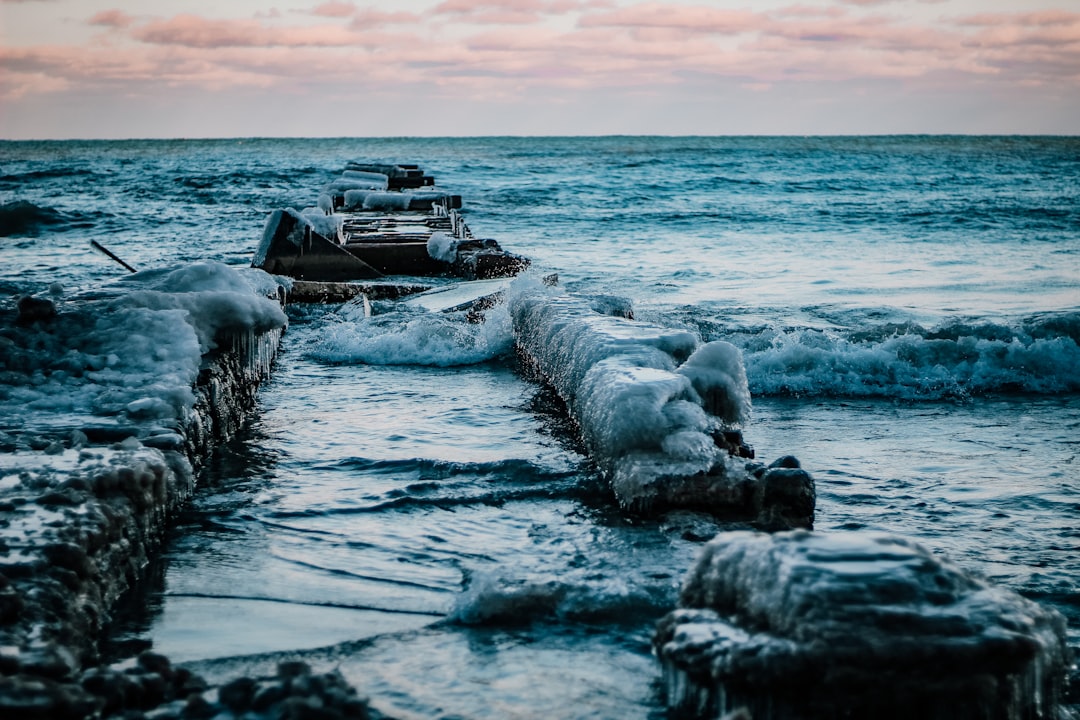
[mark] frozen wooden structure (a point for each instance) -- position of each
(378, 221)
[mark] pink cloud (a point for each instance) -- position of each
(366, 19)
(334, 9)
(197, 32)
(1044, 18)
(696, 18)
(111, 18)
(642, 47)
(512, 12)
(869, 3)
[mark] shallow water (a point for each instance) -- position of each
(908, 310)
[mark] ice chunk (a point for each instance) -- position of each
(327, 225)
(387, 201)
(374, 180)
(442, 247)
(785, 624)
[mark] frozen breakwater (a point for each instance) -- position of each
(811, 625)
(111, 402)
(659, 411)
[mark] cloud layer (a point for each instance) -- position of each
(508, 50)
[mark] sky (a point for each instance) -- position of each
(303, 68)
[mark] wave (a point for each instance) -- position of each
(431, 339)
(959, 360)
(23, 218)
(47, 174)
(520, 470)
(494, 601)
(412, 499)
(26, 218)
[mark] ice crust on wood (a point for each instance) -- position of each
(649, 402)
(785, 624)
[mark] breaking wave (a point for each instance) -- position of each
(955, 361)
(432, 339)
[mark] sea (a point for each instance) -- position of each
(411, 508)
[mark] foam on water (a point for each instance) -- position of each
(411, 338)
(955, 360)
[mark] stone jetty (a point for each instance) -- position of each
(111, 401)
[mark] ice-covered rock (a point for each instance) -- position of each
(812, 625)
(110, 403)
(652, 404)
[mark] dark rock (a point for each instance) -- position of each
(788, 499)
(186, 682)
(103, 434)
(266, 696)
(293, 669)
(55, 662)
(66, 497)
(70, 557)
(198, 707)
(787, 461)
(32, 310)
(156, 663)
(36, 698)
(11, 606)
(238, 694)
(307, 708)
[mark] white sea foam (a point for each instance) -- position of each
(492, 599)
(949, 362)
(406, 338)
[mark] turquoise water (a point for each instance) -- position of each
(909, 313)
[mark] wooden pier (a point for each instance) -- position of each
(377, 221)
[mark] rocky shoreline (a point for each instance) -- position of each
(117, 400)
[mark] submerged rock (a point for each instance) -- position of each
(811, 625)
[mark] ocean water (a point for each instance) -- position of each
(410, 508)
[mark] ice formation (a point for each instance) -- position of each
(137, 352)
(651, 402)
(443, 247)
(108, 403)
(324, 223)
(376, 200)
(786, 624)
